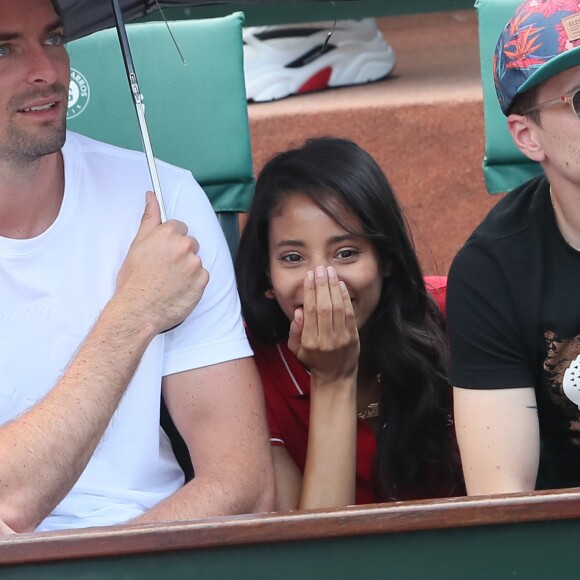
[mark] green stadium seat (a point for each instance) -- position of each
(196, 113)
(504, 166)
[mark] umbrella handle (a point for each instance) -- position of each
(139, 106)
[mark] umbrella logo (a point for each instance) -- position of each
(79, 94)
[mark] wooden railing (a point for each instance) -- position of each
(264, 529)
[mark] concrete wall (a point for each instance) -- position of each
(424, 125)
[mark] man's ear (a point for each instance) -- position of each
(525, 134)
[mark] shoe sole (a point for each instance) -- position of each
(344, 66)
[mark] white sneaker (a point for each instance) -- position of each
(285, 60)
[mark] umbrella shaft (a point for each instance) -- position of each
(139, 107)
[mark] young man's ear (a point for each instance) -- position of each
(525, 134)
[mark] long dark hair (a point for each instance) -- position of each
(404, 332)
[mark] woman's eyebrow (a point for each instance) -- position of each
(293, 243)
(332, 240)
(343, 238)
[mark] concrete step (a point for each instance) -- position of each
(423, 125)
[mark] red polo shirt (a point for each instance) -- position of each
(287, 391)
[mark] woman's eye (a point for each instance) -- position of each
(293, 258)
(4, 51)
(347, 253)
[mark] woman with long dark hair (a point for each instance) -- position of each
(347, 338)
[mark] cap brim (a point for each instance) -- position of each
(558, 64)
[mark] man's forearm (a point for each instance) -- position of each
(202, 498)
(44, 451)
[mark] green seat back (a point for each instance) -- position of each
(197, 113)
(504, 166)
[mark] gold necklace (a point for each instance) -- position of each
(370, 412)
(373, 409)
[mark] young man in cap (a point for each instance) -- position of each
(513, 295)
(92, 286)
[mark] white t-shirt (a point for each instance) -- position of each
(52, 289)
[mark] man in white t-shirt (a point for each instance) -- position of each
(91, 288)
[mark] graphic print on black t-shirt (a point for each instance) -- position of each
(562, 376)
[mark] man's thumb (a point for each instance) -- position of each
(151, 216)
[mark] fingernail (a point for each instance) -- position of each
(331, 272)
(310, 276)
(343, 286)
(320, 272)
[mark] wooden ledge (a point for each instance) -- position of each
(290, 526)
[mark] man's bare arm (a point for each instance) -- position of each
(44, 451)
(219, 411)
(499, 439)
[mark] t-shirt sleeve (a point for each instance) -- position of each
(214, 331)
(486, 342)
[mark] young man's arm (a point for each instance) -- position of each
(219, 412)
(44, 451)
(498, 436)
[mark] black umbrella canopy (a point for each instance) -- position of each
(83, 17)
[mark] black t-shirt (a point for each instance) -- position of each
(513, 315)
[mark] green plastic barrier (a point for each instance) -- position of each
(504, 166)
(291, 11)
(197, 114)
(535, 551)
